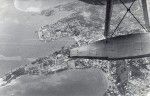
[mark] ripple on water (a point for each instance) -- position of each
(86, 82)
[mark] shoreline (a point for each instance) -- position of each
(9, 77)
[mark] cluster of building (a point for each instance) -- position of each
(131, 79)
(7, 78)
(82, 27)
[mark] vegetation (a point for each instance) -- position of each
(86, 25)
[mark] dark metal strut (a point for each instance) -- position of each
(108, 17)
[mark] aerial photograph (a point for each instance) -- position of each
(74, 48)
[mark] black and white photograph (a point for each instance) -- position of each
(74, 47)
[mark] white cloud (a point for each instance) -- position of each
(148, 94)
(18, 58)
(5, 35)
(31, 59)
(28, 5)
(8, 19)
(33, 9)
(31, 40)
